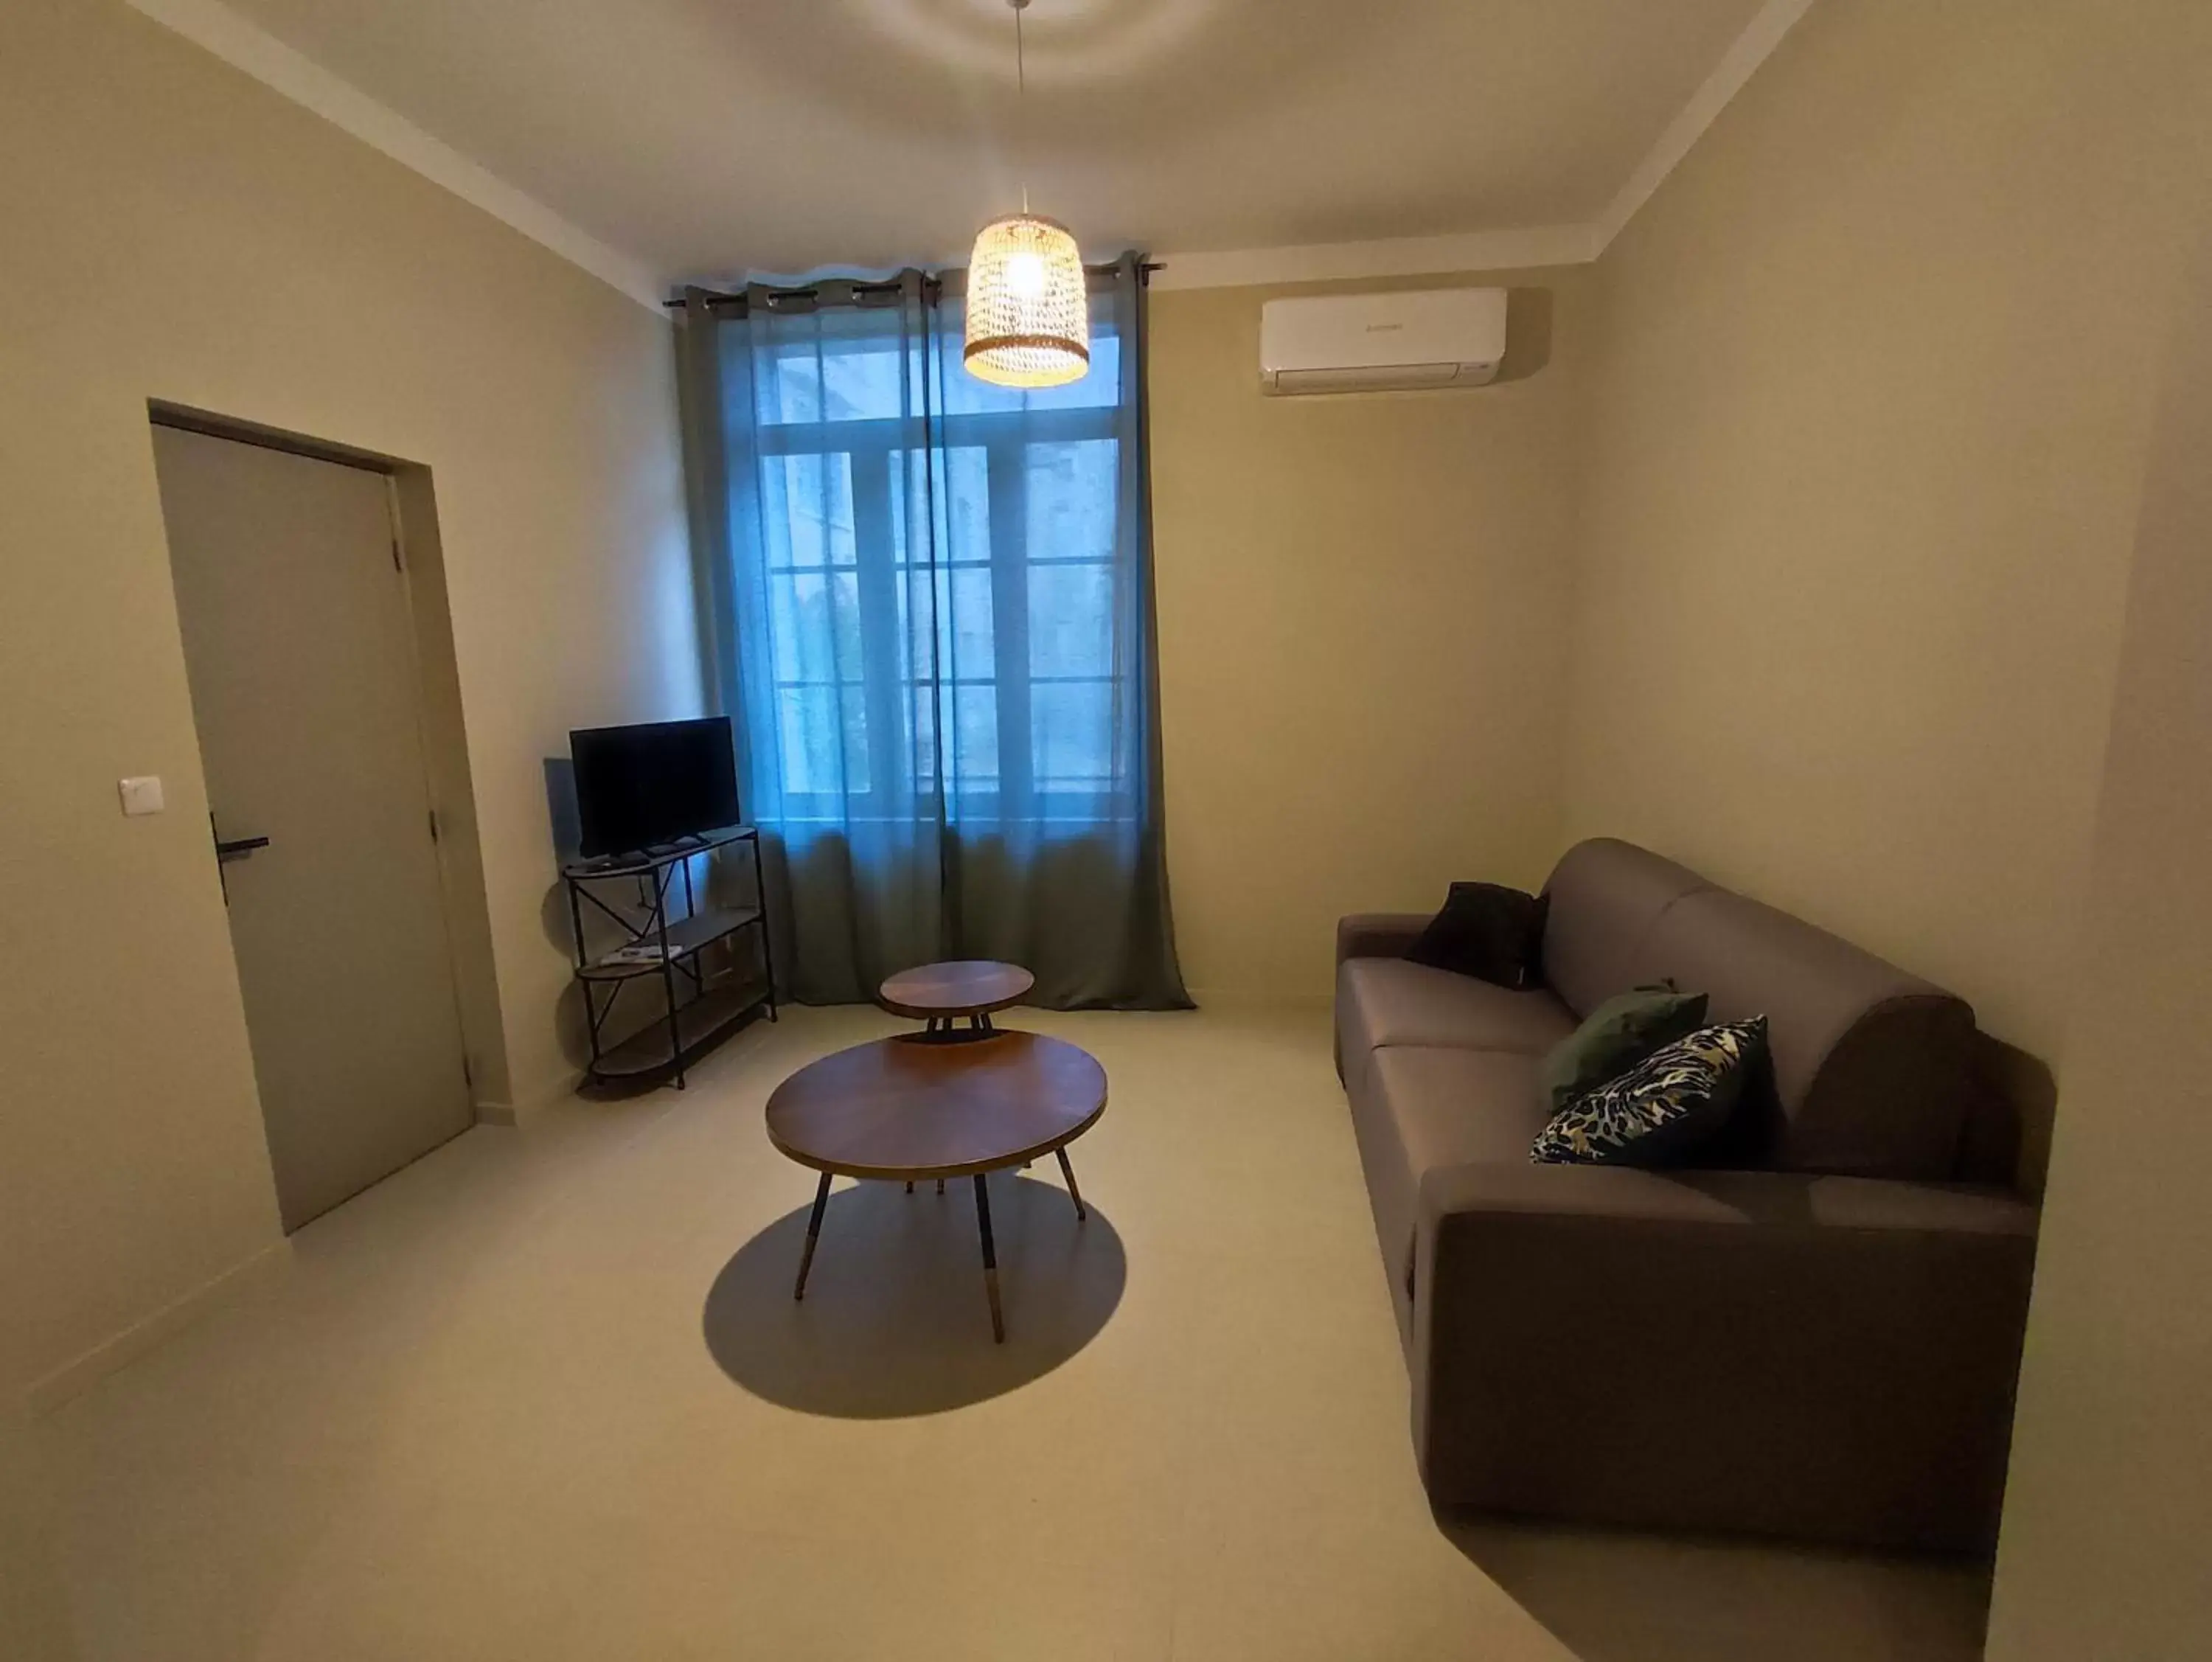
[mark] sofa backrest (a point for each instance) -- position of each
(1869, 1063)
(1604, 897)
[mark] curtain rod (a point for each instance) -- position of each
(891, 286)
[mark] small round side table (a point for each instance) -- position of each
(937, 994)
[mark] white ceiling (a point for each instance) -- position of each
(708, 138)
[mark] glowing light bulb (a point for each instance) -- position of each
(1025, 276)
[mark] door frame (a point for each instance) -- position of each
(435, 673)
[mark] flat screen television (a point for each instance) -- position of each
(638, 787)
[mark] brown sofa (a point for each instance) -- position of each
(1815, 1334)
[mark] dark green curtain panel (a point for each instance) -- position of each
(928, 605)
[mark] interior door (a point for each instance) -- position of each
(299, 646)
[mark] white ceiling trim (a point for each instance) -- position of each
(1738, 64)
(245, 46)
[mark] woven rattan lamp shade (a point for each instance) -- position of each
(1029, 312)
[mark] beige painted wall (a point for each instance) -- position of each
(1869, 416)
(1363, 604)
(2107, 1511)
(173, 230)
(33, 1608)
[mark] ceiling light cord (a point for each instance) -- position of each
(1021, 105)
(1025, 319)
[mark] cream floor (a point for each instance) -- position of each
(544, 1395)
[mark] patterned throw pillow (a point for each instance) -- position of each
(1662, 1108)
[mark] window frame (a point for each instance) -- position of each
(870, 444)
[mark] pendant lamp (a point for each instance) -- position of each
(1029, 310)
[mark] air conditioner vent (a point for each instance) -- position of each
(1401, 341)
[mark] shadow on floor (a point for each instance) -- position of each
(1620, 1597)
(894, 1321)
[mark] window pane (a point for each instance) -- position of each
(807, 509)
(963, 629)
(807, 726)
(965, 486)
(835, 366)
(791, 389)
(1101, 387)
(1071, 491)
(1072, 734)
(1071, 619)
(922, 702)
(790, 599)
(910, 501)
(921, 605)
(862, 384)
(852, 703)
(814, 625)
(845, 596)
(976, 735)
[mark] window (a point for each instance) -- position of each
(943, 606)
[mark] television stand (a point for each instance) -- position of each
(701, 1006)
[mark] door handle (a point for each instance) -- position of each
(236, 849)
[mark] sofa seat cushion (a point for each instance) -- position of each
(1388, 1001)
(1416, 1108)
(1455, 1107)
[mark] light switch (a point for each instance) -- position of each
(141, 795)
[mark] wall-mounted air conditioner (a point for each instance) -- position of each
(1374, 343)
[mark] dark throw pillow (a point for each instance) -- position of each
(1486, 931)
(1662, 1110)
(1616, 1036)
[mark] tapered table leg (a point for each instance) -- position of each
(813, 1234)
(1073, 1193)
(990, 1258)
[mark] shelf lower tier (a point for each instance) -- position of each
(703, 1022)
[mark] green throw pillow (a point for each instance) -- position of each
(1617, 1034)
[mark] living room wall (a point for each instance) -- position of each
(176, 231)
(1362, 606)
(1873, 389)
(2107, 1510)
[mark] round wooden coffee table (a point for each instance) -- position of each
(937, 994)
(907, 1108)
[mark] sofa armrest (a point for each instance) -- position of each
(1378, 934)
(1814, 1356)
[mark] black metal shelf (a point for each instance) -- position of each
(652, 1049)
(686, 937)
(700, 1006)
(647, 863)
